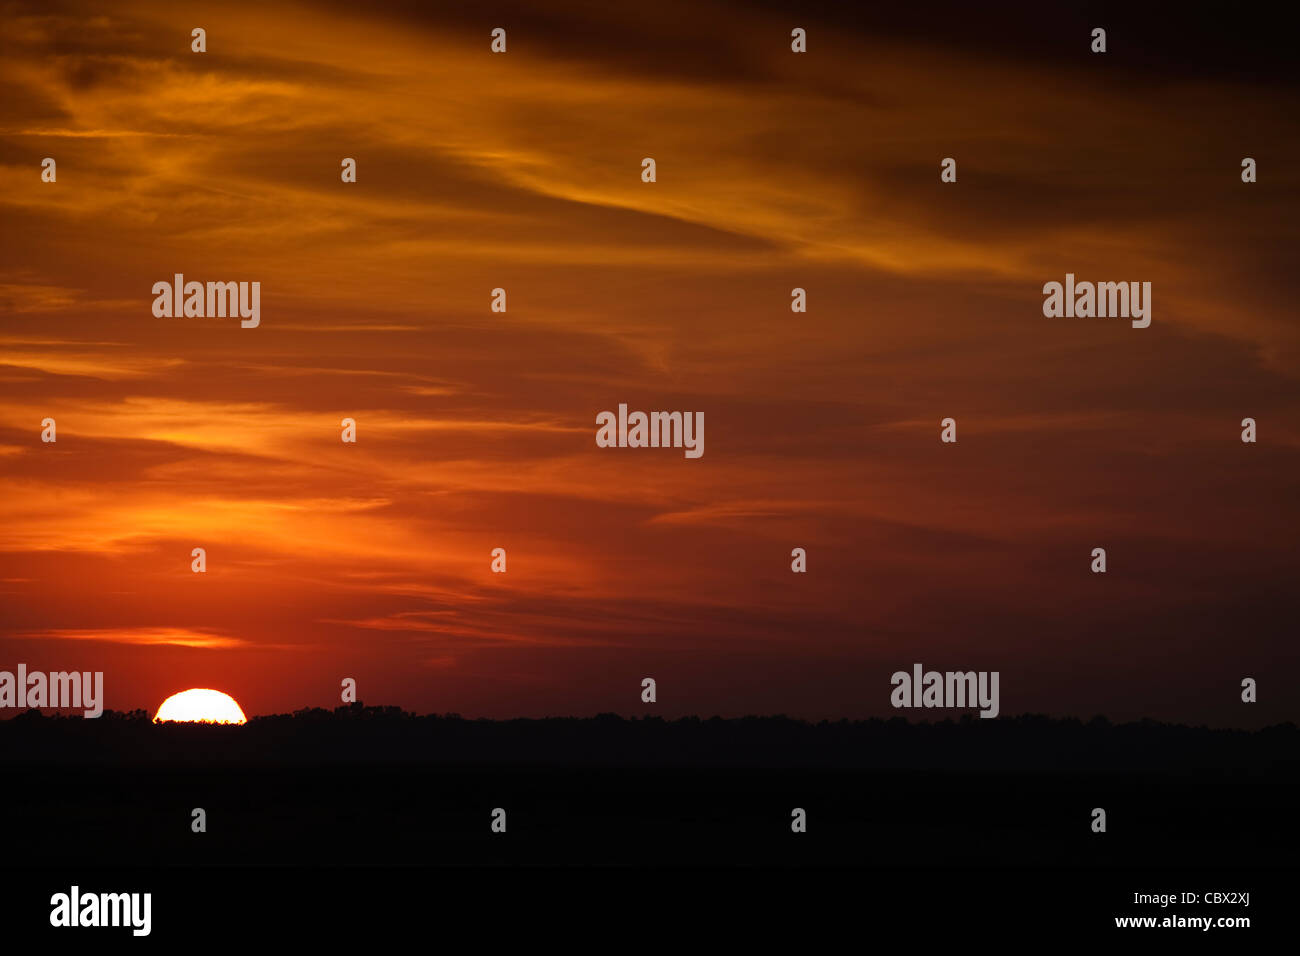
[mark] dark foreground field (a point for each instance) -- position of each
(376, 786)
(897, 810)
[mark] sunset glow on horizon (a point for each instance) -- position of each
(475, 429)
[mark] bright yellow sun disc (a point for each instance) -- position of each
(200, 704)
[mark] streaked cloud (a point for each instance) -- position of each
(476, 428)
(176, 636)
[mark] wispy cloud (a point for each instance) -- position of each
(177, 636)
(476, 427)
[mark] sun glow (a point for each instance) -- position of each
(202, 705)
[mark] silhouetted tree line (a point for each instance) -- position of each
(357, 733)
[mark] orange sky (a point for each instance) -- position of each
(476, 429)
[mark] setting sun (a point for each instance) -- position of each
(199, 704)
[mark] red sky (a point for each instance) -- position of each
(476, 429)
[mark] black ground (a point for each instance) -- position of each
(372, 804)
